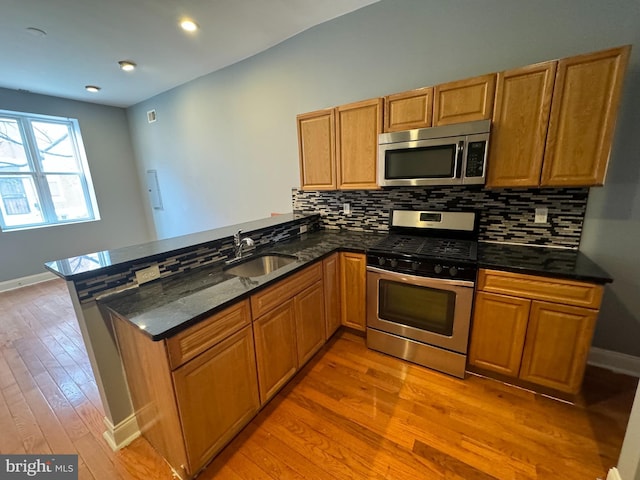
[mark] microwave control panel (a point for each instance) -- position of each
(476, 152)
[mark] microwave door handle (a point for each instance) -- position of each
(459, 157)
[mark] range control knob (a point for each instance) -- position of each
(453, 271)
(437, 268)
(381, 260)
(394, 263)
(415, 265)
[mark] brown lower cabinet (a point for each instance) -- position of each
(276, 353)
(192, 392)
(217, 395)
(289, 327)
(197, 389)
(310, 322)
(353, 279)
(533, 328)
(332, 302)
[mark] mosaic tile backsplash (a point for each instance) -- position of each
(506, 215)
(212, 253)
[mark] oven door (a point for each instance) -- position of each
(421, 162)
(429, 310)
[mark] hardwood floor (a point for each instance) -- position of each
(350, 414)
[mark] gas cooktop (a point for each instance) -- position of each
(421, 246)
(428, 243)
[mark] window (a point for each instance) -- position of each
(44, 177)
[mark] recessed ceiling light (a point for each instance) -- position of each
(92, 88)
(188, 25)
(127, 65)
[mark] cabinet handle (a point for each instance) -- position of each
(459, 156)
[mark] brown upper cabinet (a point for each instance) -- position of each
(407, 110)
(464, 100)
(553, 122)
(338, 147)
(317, 150)
(519, 130)
(583, 115)
(357, 128)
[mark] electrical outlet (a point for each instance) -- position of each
(303, 229)
(147, 274)
(346, 208)
(541, 215)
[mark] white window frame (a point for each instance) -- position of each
(39, 176)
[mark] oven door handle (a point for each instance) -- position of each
(444, 281)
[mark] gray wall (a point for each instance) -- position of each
(107, 142)
(225, 145)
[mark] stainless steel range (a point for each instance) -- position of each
(420, 284)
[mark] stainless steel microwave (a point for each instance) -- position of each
(448, 155)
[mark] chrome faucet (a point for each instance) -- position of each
(240, 243)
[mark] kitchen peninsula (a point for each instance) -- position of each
(93, 278)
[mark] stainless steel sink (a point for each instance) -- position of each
(260, 265)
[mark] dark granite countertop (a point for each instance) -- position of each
(166, 306)
(550, 262)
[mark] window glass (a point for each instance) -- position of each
(44, 177)
(68, 197)
(55, 147)
(20, 203)
(13, 157)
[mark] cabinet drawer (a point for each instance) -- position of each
(187, 344)
(555, 290)
(273, 296)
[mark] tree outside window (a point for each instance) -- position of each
(44, 177)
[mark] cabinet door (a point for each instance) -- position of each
(331, 268)
(557, 345)
(498, 333)
(358, 126)
(583, 114)
(276, 352)
(217, 394)
(407, 110)
(464, 100)
(520, 121)
(353, 282)
(316, 148)
(310, 322)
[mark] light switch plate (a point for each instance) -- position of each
(541, 215)
(147, 274)
(346, 208)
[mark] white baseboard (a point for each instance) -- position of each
(121, 435)
(614, 474)
(618, 362)
(24, 281)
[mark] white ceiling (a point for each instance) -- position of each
(86, 39)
